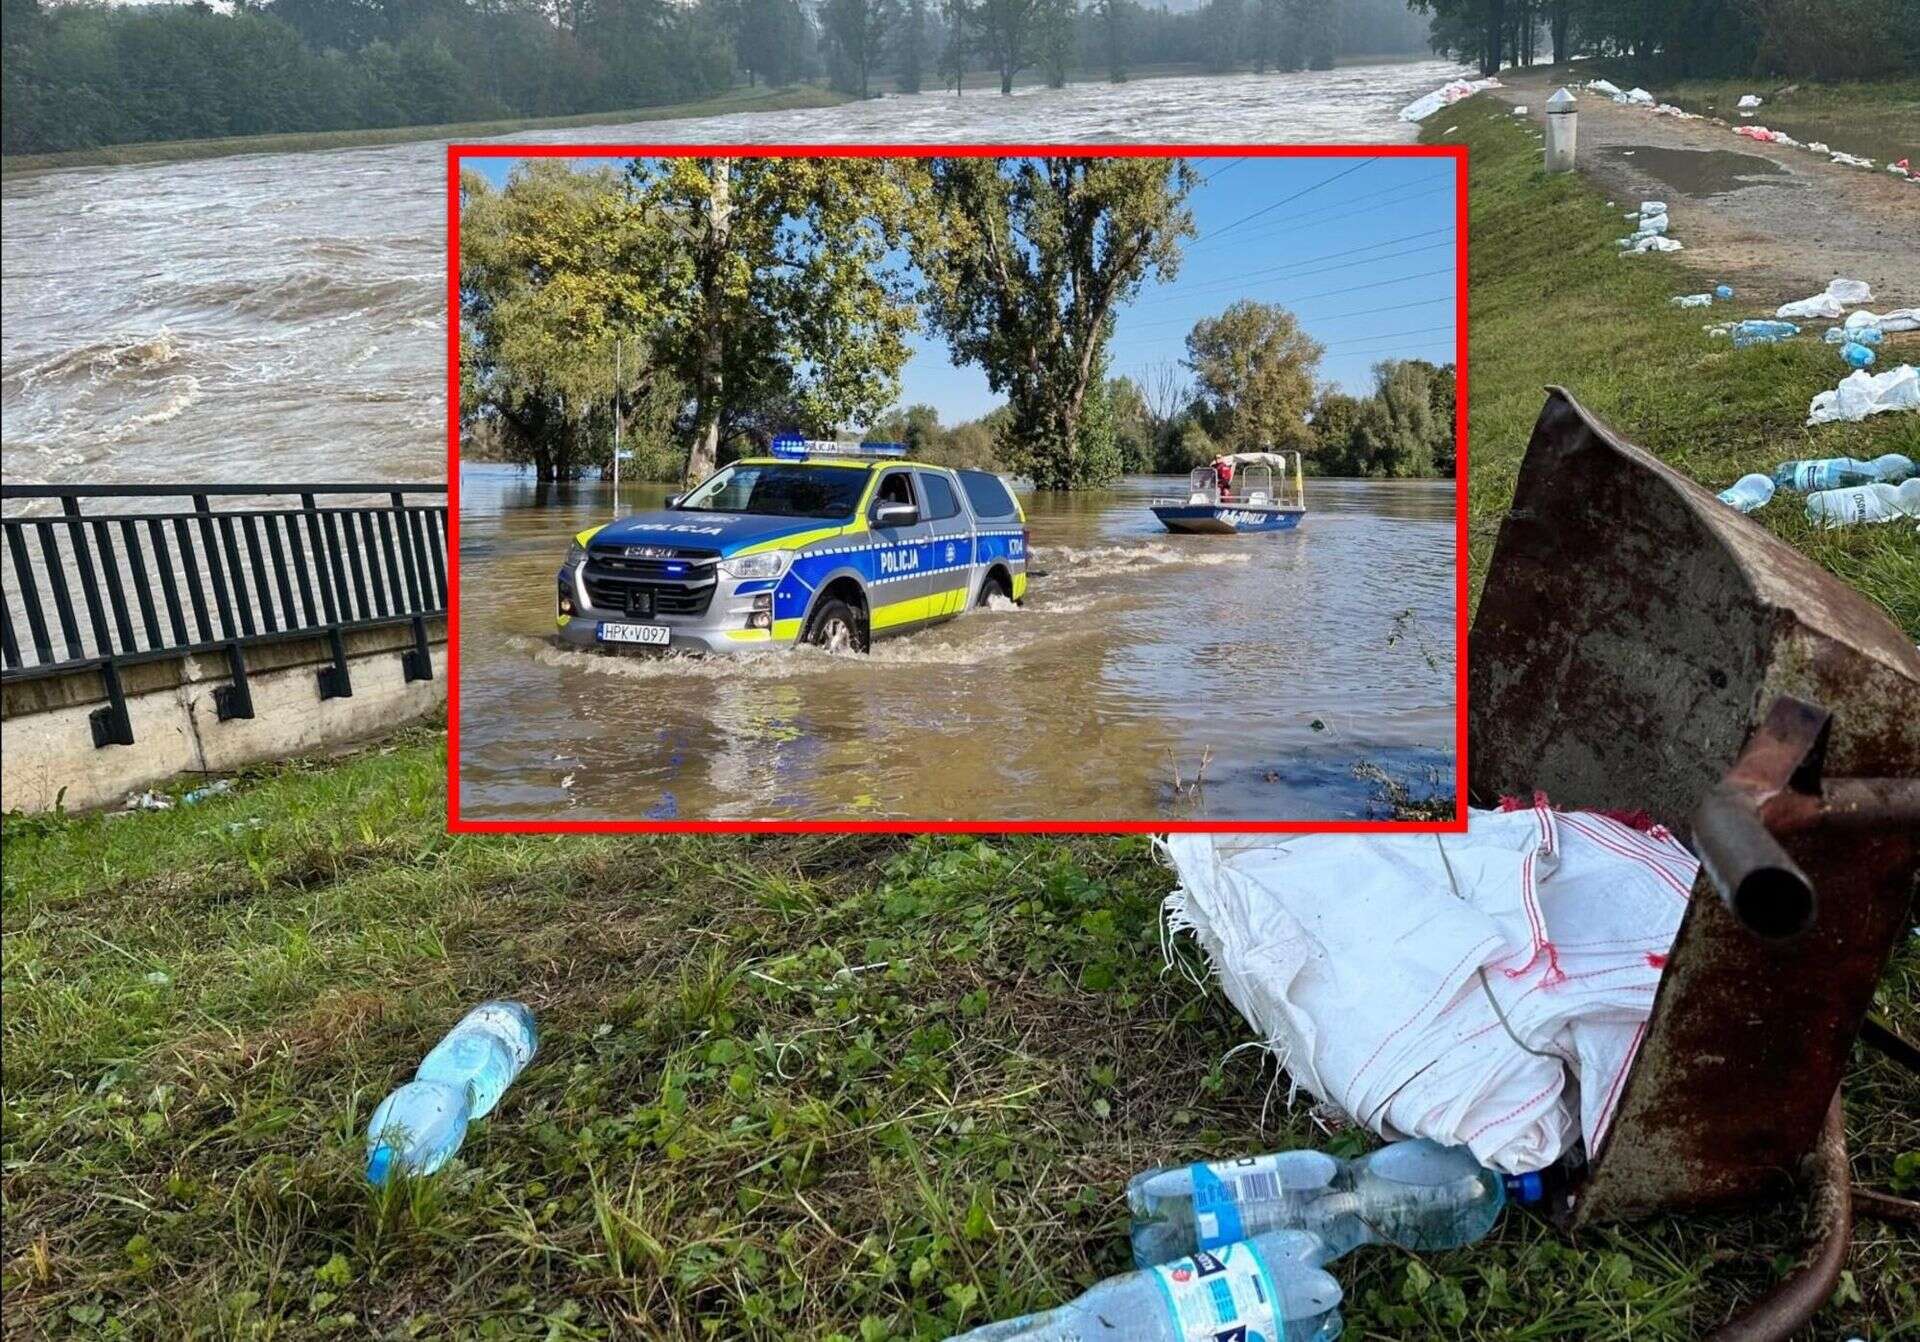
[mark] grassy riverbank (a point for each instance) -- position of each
(171, 151)
(1553, 302)
(845, 1087)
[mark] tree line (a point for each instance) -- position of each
(1821, 39)
(691, 309)
(89, 73)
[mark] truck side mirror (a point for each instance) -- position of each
(895, 515)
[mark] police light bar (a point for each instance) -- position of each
(792, 447)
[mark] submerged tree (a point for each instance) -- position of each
(1255, 368)
(859, 31)
(1006, 30)
(1025, 266)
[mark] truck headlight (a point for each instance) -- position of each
(576, 554)
(766, 564)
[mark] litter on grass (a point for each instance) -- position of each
(1749, 493)
(1831, 304)
(1692, 300)
(1900, 319)
(1486, 989)
(1749, 100)
(1864, 503)
(1762, 332)
(1861, 394)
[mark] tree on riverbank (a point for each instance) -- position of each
(1254, 368)
(752, 295)
(1026, 262)
(1823, 39)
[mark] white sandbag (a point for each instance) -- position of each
(1638, 97)
(1605, 86)
(1839, 296)
(1445, 96)
(1862, 393)
(1653, 242)
(1380, 968)
(1692, 300)
(1749, 100)
(1900, 319)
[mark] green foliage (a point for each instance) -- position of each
(766, 307)
(83, 75)
(1254, 369)
(1025, 264)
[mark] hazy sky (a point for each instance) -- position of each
(1360, 248)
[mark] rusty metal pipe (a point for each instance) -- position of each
(1791, 1304)
(1762, 887)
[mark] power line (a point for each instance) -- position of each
(1134, 327)
(1239, 280)
(1391, 335)
(1286, 200)
(1333, 212)
(1222, 168)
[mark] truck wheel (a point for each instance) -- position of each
(837, 627)
(995, 585)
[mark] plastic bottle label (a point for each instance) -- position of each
(1223, 1296)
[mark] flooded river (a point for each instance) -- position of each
(282, 316)
(1269, 668)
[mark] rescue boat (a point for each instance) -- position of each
(1249, 501)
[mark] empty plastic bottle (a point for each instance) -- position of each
(1857, 355)
(1416, 1194)
(1762, 332)
(1269, 1287)
(1749, 493)
(421, 1125)
(1859, 335)
(1723, 292)
(1842, 472)
(1864, 503)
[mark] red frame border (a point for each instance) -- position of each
(458, 825)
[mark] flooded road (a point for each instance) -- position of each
(1268, 667)
(282, 316)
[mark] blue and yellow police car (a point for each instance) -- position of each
(834, 544)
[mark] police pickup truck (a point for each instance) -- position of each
(834, 544)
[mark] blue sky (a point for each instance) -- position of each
(1361, 249)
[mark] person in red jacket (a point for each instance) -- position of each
(1223, 476)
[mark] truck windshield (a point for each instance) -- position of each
(776, 489)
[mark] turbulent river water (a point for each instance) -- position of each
(282, 316)
(1279, 671)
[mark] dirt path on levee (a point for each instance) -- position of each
(1775, 221)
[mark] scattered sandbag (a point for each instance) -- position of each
(1637, 97)
(1652, 243)
(1862, 393)
(1749, 100)
(1608, 87)
(1692, 300)
(1445, 96)
(1900, 319)
(1831, 305)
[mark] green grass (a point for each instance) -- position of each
(812, 1087)
(1553, 302)
(170, 151)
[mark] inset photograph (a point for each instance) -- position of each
(1112, 489)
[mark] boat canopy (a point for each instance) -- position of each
(1274, 460)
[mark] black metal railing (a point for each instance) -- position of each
(104, 589)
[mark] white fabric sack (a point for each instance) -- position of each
(1360, 967)
(1862, 393)
(1900, 319)
(1445, 96)
(1749, 100)
(1832, 304)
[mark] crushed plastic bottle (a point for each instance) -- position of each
(1842, 472)
(1762, 332)
(1271, 1287)
(1415, 1194)
(1723, 292)
(1864, 503)
(1857, 355)
(419, 1126)
(1860, 335)
(1749, 493)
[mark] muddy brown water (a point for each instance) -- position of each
(1281, 661)
(1700, 172)
(283, 316)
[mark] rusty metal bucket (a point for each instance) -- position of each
(1639, 645)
